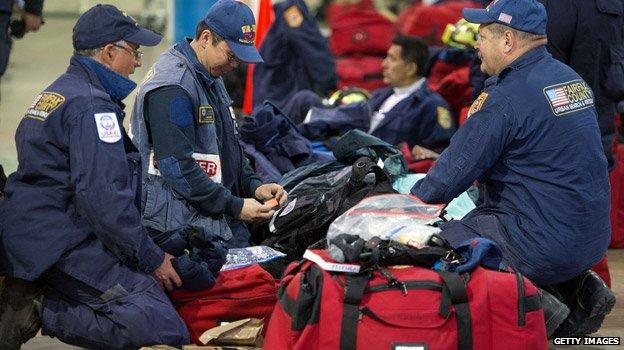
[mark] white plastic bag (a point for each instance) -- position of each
(399, 217)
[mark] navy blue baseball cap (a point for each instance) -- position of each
(106, 24)
(235, 22)
(523, 15)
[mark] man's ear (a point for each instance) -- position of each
(510, 40)
(106, 56)
(205, 37)
(413, 69)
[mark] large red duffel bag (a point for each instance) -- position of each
(241, 293)
(408, 308)
(360, 71)
(361, 32)
(616, 177)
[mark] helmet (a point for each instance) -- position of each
(462, 34)
(348, 95)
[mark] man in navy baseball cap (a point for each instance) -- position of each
(523, 15)
(105, 24)
(235, 22)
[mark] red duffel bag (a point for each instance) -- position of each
(361, 32)
(409, 307)
(360, 71)
(241, 293)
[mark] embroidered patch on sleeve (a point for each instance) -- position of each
(293, 16)
(444, 118)
(44, 104)
(569, 97)
(206, 115)
(108, 127)
(477, 104)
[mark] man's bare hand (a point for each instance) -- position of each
(166, 274)
(32, 23)
(268, 191)
(254, 210)
(420, 153)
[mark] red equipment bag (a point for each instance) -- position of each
(360, 71)
(451, 81)
(616, 178)
(237, 294)
(410, 307)
(429, 22)
(360, 32)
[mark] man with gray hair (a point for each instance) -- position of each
(70, 225)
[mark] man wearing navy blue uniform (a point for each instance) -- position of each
(195, 175)
(70, 221)
(533, 142)
(405, 111)
(296, 57)
(587, 35)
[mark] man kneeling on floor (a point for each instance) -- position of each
(532, 141)
(70, 226)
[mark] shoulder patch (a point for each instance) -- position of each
(477, 104)
(107, 127)
(444, 118)
(293, 16)
(44, 104)
(206, 115)
(569, 97)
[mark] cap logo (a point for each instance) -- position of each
(505, 18)
(249, 34)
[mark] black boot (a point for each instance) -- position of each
(20, 312)
(590, 300)
(555, 312)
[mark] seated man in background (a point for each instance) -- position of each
(70, 226)
(405, 111)
(533, 142)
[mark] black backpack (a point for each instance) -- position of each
(305, 219)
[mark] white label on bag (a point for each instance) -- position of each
(289, 208)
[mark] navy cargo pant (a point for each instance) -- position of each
(134, 312)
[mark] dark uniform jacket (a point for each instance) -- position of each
(587, 35)
(73, 202)
(296, 57)
(533, 142)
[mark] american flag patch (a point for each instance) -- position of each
(557, 97)
(503, 17)
(569, 97)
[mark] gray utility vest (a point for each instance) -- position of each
(164, 209)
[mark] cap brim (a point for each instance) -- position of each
(245, 53)
(144, 37)
(479, 16)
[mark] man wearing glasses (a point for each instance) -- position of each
(70, 226)
(197, 184)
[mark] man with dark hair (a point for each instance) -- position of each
(405, 111)
(533, 143)
(70, 224)
(195, 176)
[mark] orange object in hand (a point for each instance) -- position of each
(273, 203)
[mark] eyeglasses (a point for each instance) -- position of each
(230, 56)
(138, 54)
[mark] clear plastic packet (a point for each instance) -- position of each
(398, 217)
(241, 257)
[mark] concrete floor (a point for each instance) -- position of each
(40, 57)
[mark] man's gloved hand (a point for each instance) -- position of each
(166, 275)
(268, 191)
(253, 210)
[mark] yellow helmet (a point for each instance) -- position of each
(462, 34)
(348, 95)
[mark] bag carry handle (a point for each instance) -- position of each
(453, 293)
(363, 167)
